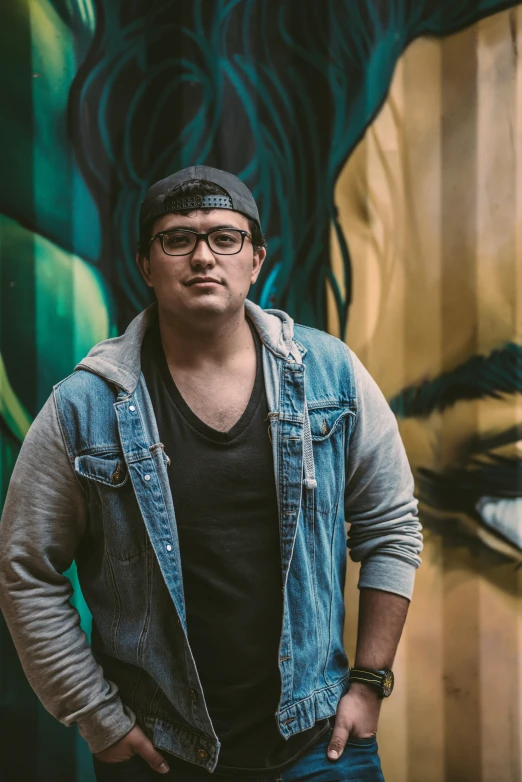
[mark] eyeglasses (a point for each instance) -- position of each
(182, 241)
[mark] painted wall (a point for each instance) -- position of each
(382, 142)
(430, 204)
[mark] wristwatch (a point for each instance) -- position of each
(381, 680)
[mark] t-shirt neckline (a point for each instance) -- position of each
(186, 411)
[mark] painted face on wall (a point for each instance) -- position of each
(428, 203)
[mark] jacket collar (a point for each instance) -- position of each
(118, 360)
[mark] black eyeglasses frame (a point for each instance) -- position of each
(198, 236)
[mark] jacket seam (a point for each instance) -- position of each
(118, 607)
(314, 574)
(314, 692)
(108, 448)
(355, 402)
(155, 695)
(320, 403)
(146, 622)
(331, 611)
(182, 725)
(134, 690)
(339, 421)
(158, 480)
(68, 446)
(81, 365)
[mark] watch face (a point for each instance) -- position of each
(387, 684)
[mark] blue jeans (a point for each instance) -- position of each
(358, 763)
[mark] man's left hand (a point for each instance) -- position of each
(357, 715)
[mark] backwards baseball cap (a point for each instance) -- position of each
(161, 197)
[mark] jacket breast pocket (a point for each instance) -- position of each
(114, 514)
(329, 426)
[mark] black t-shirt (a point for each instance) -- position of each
(224, 495)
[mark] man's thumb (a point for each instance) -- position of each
(156, 761)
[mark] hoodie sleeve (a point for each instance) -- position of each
(385, 533)
(43, 521)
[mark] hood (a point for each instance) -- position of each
(118, 360)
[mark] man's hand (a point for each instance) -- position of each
(357, 715)
(381, 619)
(134, 743)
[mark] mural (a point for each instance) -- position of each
(381, 141)
(429, 204)
(430, 214)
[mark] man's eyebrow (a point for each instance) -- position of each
(476, 378)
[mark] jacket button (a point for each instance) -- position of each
(202, 754)
(116, 474)
(193, 695)
(179, 621)
(147, 477)
(132, 408)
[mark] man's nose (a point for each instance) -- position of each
(202, 255)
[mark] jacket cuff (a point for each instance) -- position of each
(389, 574)
(106, 725)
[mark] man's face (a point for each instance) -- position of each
(202, 284)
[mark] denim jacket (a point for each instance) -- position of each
(91, 485)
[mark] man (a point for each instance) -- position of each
(199, 469)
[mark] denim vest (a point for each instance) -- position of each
(129, 565)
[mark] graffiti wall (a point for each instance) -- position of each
(429, 202)
(383, 143)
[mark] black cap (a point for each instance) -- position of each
(160, 200)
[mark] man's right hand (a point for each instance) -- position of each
(134, 743)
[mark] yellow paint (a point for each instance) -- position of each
(431, 205)
(13, 413)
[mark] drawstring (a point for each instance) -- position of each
(309, 480)
(308, 453)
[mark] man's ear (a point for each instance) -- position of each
(259, 257)
(144, 267)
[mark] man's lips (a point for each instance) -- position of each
(203, 281)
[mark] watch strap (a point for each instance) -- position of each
(369, 675)
(381, 680)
